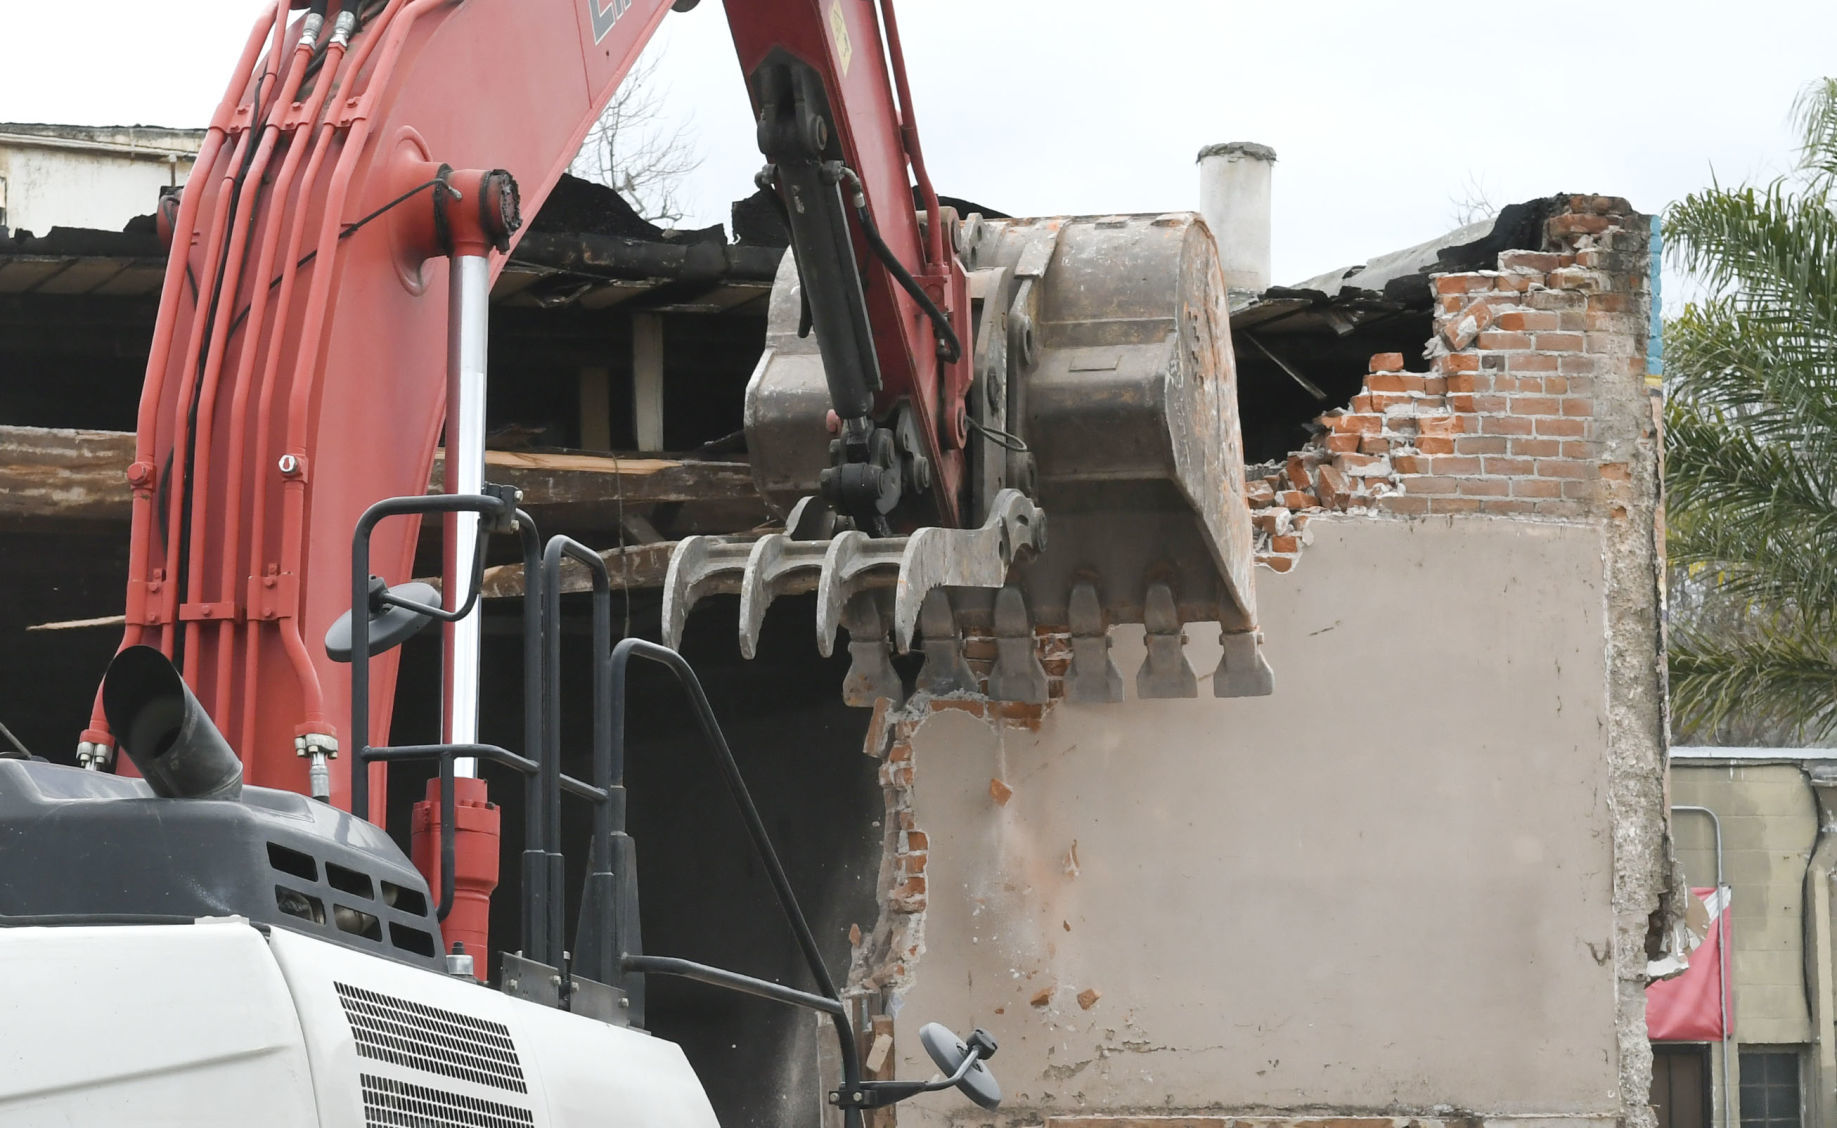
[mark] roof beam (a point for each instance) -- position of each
(66, 474)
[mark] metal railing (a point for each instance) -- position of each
(607, 949)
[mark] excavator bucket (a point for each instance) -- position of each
(1105, 414)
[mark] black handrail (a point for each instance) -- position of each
(830, 998)
(557, 548)
(502, 508)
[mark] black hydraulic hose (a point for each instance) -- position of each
(949, 346)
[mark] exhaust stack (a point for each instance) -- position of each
(164, 730)
(1234, 197)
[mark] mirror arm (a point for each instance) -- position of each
(880, 1094)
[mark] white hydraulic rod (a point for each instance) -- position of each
(468, 296)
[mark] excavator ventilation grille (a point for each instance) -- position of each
(418, 1036)
(389, 1103)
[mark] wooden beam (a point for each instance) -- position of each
(76, 475)
(636, 567)
(73, 475)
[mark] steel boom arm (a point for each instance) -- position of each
(297, 368)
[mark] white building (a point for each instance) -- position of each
(87, 176)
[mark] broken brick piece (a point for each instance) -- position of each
(1387, 362)
(1088, 997)
(1041, 997)
(854, 936)
(1000, 792)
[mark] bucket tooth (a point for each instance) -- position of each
(1092, 677)
(847, 563)
(945, 671)
(1243, 671)
(871, 675)
(1018, 675)
(761, 582)
(1165, 672)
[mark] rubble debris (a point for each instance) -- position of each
(1041, 997)
(1000, 792)
(1088, 997)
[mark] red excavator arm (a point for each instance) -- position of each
(300, 363)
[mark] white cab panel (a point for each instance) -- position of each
(148, 1025)
(394, 1046)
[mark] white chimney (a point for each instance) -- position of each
(1234, 197)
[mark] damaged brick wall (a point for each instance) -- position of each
(1504, 421)
(1533, 409)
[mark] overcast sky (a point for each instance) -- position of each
(1383, 113)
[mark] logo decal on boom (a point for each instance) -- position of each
(605, 16)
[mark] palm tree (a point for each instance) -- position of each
(1751, 451)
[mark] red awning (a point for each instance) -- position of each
(1685, 1008)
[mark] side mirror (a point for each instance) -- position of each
(394, 618)
(962, 1061)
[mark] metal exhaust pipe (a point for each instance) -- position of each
(164, 730)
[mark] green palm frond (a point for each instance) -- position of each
(1751, 447)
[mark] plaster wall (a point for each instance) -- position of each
(98, 186)
(1387, 888)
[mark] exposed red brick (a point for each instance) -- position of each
(1435, 444)
(1285, 544)
(1499, 341)
(1362, 424)
(1481, 444)
(1431, 485)
(1485, 487)
(1088, 997)
(1460, 362)
(1507, 506)
(1517, 282)
(1299, 474)
(1296, 499)
(1531, 362)
(1331, 484)
(1277, 563)
(1564, 468)
(1409, 463)
(1535, 448)
(1000, 792)
(1405, 506)
(1561, 226)
(1387, 362)
(1436, 424)
(1538, 261)
(1505, 425)
(1563, 428)
(1454, 505)
(1451, 465)
(1259, 493)
(1559, 342)
(1339, 444)
(1578, 406)
(1536, 487)
(971, 705)
(1536, 405)
(1374, 444)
